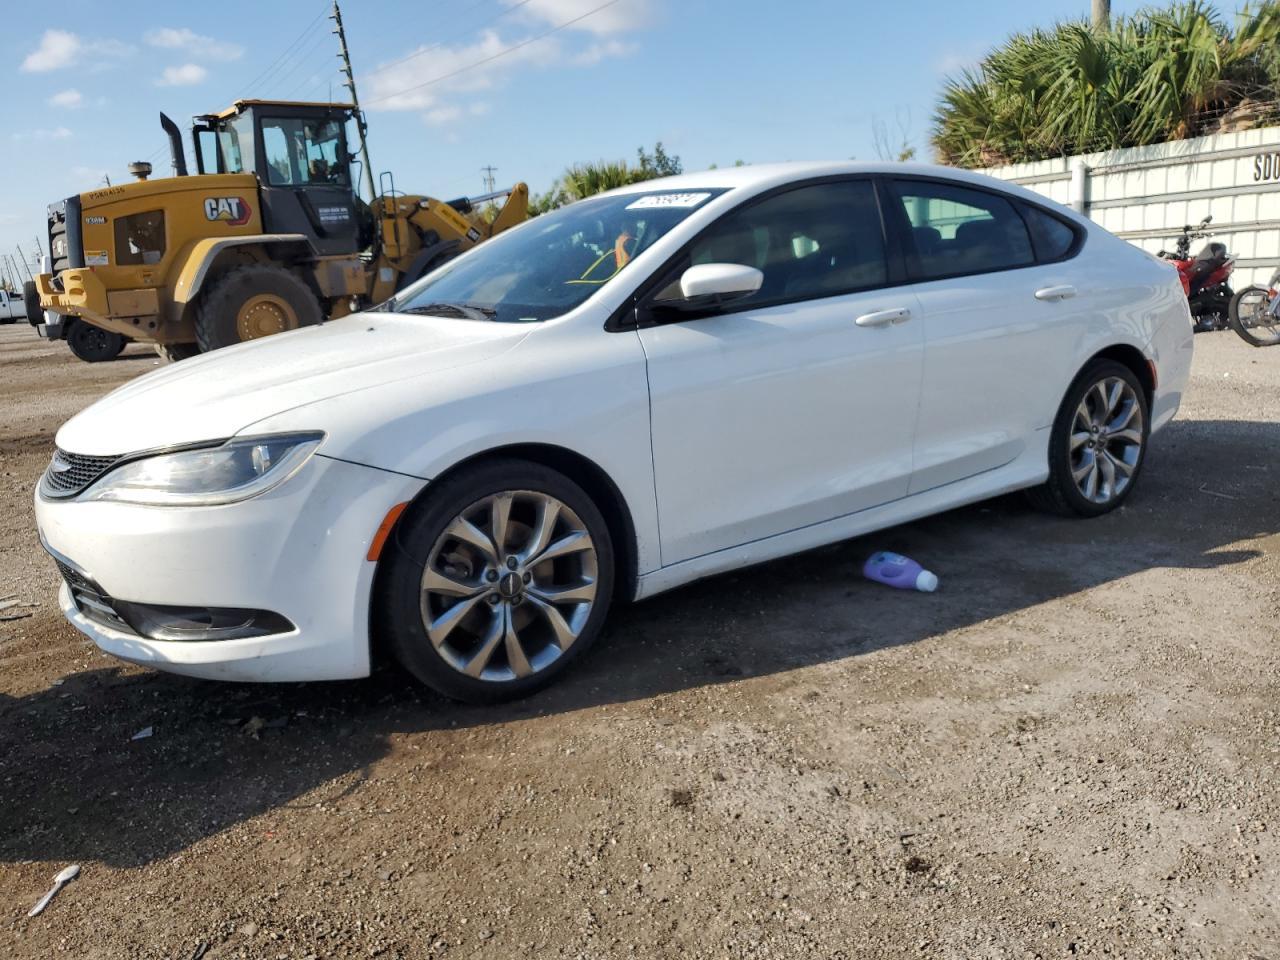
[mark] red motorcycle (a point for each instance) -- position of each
(1204, 278)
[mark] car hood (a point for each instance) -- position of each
(219, 394)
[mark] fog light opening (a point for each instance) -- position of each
(194, 624)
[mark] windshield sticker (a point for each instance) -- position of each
(677, 200)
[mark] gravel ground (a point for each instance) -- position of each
(1070, 750)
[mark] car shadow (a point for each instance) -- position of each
(77, 787)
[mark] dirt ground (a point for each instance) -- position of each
(1070, 750)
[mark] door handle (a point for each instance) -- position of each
(1064, 292)
(882, 318)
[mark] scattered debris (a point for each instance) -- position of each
(143, 733)
(1214, 493)
(253, 726)
(61, 880)
(201, 949)
(681, 797)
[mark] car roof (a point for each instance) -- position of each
(756, 178)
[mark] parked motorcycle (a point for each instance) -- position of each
(1204, 278)
(1255, 313)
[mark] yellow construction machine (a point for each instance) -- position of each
(268, 234)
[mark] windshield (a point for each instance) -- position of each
(552, 264)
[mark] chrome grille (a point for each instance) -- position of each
(69, 473)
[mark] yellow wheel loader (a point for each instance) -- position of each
(269, 234)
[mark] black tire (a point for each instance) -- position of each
(397, 614)
(1246, 330)
(219, 306)
(31, 303)
(1059, 494)
(92, 344)
(173, 352)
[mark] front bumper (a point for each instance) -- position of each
(299, 550)
(82, 294)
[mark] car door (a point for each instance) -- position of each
(1000, 323)
(796, 404)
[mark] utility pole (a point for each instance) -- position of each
(350, 84)
(8, 274)
(22, 258)
(1101, 15)
(489, 181)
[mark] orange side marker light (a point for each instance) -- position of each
(384, 531)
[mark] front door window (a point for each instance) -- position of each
(302, 152)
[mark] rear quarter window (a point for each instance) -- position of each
(1052, 237)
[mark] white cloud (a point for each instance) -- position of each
(620, 17)
(184, 76)
(432, 78)
(55, 133)
(61, 48)
(440, 116)
(193, 44)
(67, 98)
(447, 70)
(604, 50)
(58, 48)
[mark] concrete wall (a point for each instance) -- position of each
(1146, 194)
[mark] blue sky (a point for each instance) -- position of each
(715, 80)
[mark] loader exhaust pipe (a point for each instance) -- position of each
(175, 146)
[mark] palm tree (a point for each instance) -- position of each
(1159, 75)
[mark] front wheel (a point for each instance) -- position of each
(496, 581)
(1097, 444)
(1253, 317)
(251, 301)
(93, 344)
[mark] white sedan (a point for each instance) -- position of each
(640, 389)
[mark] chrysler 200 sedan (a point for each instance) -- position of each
(650, 386)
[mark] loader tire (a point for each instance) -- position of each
(252, 301)
(92, 344)
(173, 352)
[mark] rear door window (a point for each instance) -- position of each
(956, 230)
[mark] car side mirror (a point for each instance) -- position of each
(710, 284)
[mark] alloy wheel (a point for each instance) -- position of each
(509, 585)
(1106, 440)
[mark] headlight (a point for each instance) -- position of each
(60, 246)
(236, 470)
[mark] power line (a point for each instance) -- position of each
(501, 53)
(435, 46)
(306, 31)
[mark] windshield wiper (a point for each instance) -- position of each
(461, 311)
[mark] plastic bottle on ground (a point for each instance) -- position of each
(895, 570)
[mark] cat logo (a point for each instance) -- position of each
(232, 211)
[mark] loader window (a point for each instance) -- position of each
(304, 151)
(235, 143)
(140, 238)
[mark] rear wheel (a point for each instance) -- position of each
(496, 582)
(1252, 318)
(92, 344)
(1098, 443)
(252, 301)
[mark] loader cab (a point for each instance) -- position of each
(299, 153)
